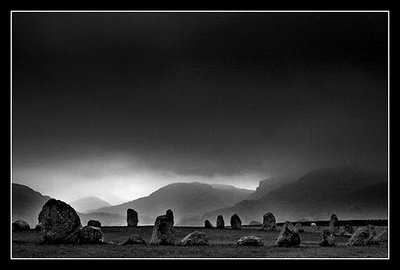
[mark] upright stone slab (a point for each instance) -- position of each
(207, 224)
(220, 222)
(289, 236)
(269, 222)
(236, 222)
(163, 231)
(132, 217)
(60, 223)
(334, 224)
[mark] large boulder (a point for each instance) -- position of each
(364, 236)
(94, 223)
(289, 236)
(326, 239)
(134, 240)
(90, 235)
(269, 222)
(334, 224)
(60, 223)
(20, 225)
(236, 222)
(347, 231)
(220, 222)
(195, 239)
(250, 241)
(132, 217)
(163, 231)
(207, 224)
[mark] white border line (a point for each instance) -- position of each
(201, 11)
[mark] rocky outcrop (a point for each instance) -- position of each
(60, 223)
(132, 217)
(250, 241)
(269, 222)
(163, 231)
(289, 236)
(220, 222)
(236, 222)
(195, 239)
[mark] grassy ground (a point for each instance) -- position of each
(222, 245)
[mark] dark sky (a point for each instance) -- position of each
(228, 97)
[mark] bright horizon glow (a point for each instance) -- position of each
(114, 180)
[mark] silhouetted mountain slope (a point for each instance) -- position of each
(316, 195)
(89, 203)
(27, 204)
(267, 185)
(187, 200)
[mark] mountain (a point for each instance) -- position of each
(270, 184)
(27, 204)
(89, 203)
(187, 200)
(347, 191)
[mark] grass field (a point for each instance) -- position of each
(222, 244)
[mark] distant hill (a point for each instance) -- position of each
(88, 203)
(106, 219)
(349, 192)
(187, 200)
(270, 184)
(27, 204)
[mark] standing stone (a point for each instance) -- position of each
(20, 225)
(269, 222)
(195, 239)
(236, 222)
(60, 223)
(132, 217)
(220, 222)
(289, 236)
(207, 224)
(163, 231)
(326, 239)
(250, 241)
(170, 215)
(90, 235)
(334, 224)
(364, 236)
(94, 223)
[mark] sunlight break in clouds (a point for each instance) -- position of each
(113, 179)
